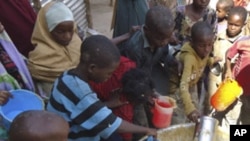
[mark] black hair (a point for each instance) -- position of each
(238, 10)
(201, 29)
(137, 85)
(99, 50)
(159, 18)
(227, 3)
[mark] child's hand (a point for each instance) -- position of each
(152, 132)
(115, 99)
(217, 59)
(228, 74)
(194, 116)
(4, 97)
(1, 27)
(134, 29)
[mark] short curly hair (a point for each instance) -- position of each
(137, 85)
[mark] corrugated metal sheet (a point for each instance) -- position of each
(78, 8)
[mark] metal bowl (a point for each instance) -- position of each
(216, 69)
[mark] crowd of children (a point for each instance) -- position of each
(97, 91)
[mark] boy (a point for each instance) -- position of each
(236, 22)
(37, 125)
(109, 92)
(187, 15)
(73, 99)
(194, 56)
(222, 9)
(127, 87)
(148, 48)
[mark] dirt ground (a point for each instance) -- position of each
(102, 14)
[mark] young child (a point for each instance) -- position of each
(38, 125)
(236, 22)
(222, 9)
(187, 15)
(148, 48)
(73, 99)
(139, 89)
(57, 45)
(109, 92)
(127, 87)
(194, 56)
(240, 72)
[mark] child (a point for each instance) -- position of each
(73, 99)
(240, 73)
(222, 9)
(194, 56)
(109, 92)
(126, 87)
(37, 125)
(57, 45)
(187, 15)
(236, 22)
(147, 47)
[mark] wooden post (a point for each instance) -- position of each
(88, 14)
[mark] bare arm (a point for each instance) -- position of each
(125, 36)
(132, 128)
(228, 71)
(120, 39)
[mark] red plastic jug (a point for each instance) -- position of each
(162, 111)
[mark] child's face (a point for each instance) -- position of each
(158, 39)
(234, 25)
(63, 33)
(201, 3)
(203, 45)
(102, 74)
(221, 11)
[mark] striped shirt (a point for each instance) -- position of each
(88, 117)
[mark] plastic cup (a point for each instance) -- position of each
(162, 111)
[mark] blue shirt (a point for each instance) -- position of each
(88, 117)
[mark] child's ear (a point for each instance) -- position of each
(145, 28)
(92, 68)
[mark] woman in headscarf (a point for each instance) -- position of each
(57, 45)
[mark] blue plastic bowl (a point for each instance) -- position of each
(23, 100)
